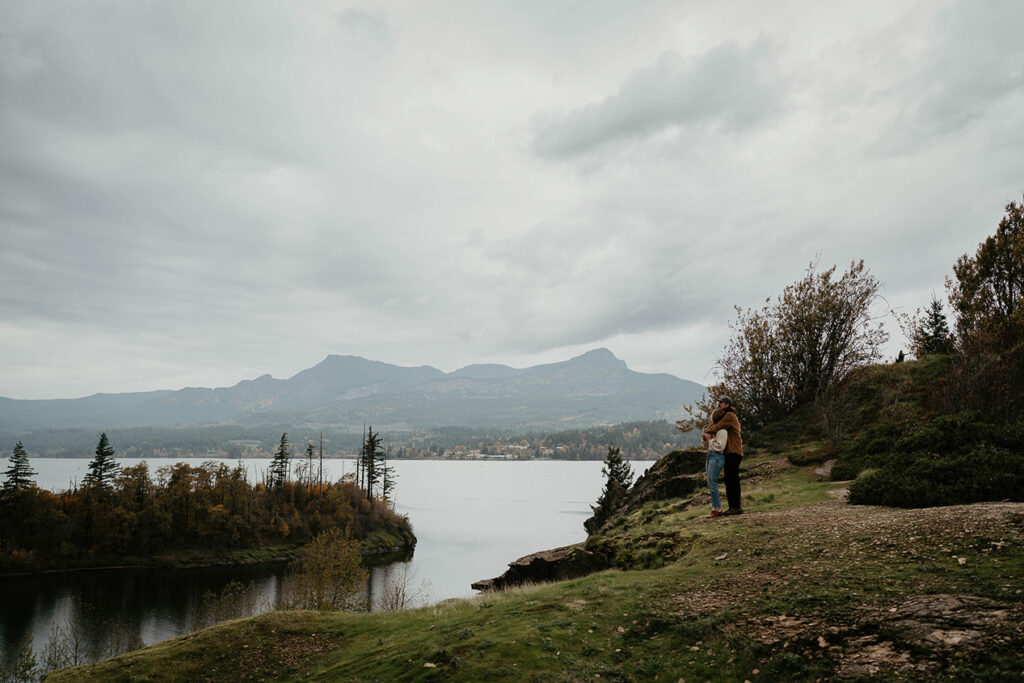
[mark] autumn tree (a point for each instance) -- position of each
(697, 415)
(329, 575)
(19, 473)
(102, 468)
(987, 292)
(796, 349)
(987, 298)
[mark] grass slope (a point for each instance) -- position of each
(803, 586)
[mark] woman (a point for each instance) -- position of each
(714, 464)
(733, 454)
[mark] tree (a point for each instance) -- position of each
(309, 467)
(929, 331)
(279, 464)
(792, 351)
(987, 298)
(388, 477)
(329, 575)
(697, 415)
(19, 473)
(102, 468)
(618, 478)
(370, 458)
(616, 469)
(987, 294)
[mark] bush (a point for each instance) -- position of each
(810, 457)
(921, 479)
(329, 575)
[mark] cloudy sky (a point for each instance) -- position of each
(195, 193)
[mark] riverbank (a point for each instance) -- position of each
(378, 547)
(802, 586)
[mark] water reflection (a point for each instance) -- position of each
(471, 519)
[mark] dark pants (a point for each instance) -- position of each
(732, 480)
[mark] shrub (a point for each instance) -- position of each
(811, 457)
(329, 575)
(982, 473)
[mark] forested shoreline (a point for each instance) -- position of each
(128, 515)
(639, 440)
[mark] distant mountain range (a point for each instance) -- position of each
(343, 392)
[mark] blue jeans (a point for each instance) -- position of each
(714, 465)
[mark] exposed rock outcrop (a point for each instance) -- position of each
(674, 475)
(569, 562)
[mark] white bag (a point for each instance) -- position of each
(718, 443)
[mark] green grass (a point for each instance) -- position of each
(699, 606)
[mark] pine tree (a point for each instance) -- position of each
(102, 468)
(931, 332)
(616, 469)
(370, 459)
(279, 464)
(19, 474)
(387, 476)
(618, 478)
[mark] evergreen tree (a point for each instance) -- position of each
(616, 469)
(370, 459)
(387, 476)
(279, 464)
(19, 474)
(931, 331)
(618, 478)
(102, 468)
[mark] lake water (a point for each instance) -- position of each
(471, 519)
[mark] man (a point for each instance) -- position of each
(733, 453)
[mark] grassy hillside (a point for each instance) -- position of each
(803, 586)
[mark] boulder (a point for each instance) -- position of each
(569, 562)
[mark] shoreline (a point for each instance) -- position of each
(163, 562)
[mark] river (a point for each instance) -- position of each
(471, 519)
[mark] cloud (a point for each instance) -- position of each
(729, 87)
(367, 26)
(203, 193)
(968, 65)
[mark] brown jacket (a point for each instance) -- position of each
(730, 423)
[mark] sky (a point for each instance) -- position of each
(197, 193)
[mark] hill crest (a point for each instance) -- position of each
(342, 391)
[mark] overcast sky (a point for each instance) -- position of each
(195, 193)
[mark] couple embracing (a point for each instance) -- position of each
(725, 448)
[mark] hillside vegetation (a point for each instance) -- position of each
(803, 586)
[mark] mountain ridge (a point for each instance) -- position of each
(593, 388)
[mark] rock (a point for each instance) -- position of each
(824, 471)
(674, 475)
(559, 564)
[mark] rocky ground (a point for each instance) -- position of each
(904, 560)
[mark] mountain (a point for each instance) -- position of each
(348, 391)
